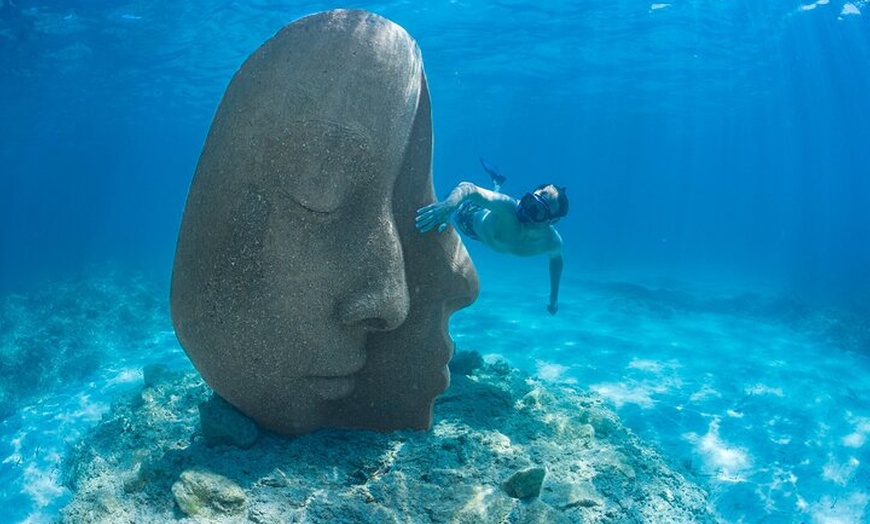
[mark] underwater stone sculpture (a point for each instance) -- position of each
(301, 290)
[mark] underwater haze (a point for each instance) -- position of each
(716, 287)
(723, 139)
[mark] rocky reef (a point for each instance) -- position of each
(504, 448)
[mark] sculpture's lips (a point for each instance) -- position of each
(332, 388)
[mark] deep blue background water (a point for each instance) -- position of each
(709, 140)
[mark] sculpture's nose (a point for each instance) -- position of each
(380, 300)
(379, 308)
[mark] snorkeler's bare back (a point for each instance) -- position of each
(503, 233)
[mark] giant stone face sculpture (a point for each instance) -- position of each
(301, 290)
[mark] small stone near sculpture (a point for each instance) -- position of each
(525, 484)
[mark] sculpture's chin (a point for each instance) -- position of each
(332, 388)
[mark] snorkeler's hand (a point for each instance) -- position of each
(552, 308)
(435, 215)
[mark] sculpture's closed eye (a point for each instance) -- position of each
(330, 160)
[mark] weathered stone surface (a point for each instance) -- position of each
(525, 484)
(205, 494)
(301, 290)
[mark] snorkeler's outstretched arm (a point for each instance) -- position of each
(437, 214)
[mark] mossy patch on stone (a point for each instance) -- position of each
(206, 494)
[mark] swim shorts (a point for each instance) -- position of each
(464, 219)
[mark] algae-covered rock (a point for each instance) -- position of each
(205, 494)
(525, 484)
(222, 424)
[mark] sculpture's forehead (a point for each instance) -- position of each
(349, 134)
(349, 64)
(384, 39)
(372, 113)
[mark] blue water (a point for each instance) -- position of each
(711, 149)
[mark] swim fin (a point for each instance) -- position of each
(497, 178)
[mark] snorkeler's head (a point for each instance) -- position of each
(545, 205)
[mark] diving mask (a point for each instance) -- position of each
(535, 208)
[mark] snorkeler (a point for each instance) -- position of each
(521, 227)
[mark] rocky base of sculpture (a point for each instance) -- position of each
(504, 448)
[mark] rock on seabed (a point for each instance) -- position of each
(525, 484)
(204, 494)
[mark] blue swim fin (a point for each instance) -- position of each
(497, 178)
